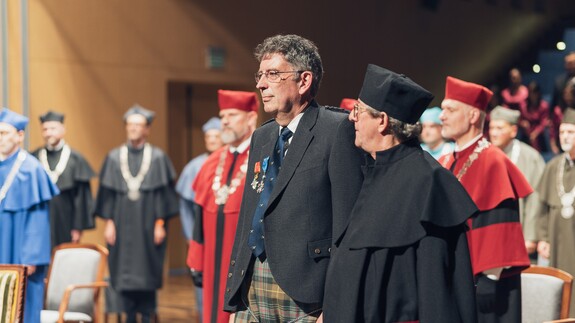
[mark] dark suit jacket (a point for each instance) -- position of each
(310, 203)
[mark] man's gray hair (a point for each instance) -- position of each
(399, 129)
(403, 131)
(301, 53)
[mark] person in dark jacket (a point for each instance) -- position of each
(403, 256)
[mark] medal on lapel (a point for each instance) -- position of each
(257, 170)
(264, 168)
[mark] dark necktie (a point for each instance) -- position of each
(256, 237)
(452, 168)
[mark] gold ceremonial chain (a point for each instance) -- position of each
(481, 146)
(222, 192)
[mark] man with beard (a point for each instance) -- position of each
(495, 237)
(24, 219)
(556, 190)
(136, 198)
(219, 186)
(71, 211)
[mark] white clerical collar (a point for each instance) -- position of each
(292, 126)
(467, 145)
(59, 146)
(241, 147)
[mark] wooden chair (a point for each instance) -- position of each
(545, 294)
(13, 289)
(75, 278)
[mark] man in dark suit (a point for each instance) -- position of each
(305, 174)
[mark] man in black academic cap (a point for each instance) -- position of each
(136, 197)
(403, 256)
(71, 211)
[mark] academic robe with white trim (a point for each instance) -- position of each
(135, 261)
(25, 226)
(72, 209)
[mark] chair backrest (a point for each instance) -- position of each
(75, 264)
(12, 292)
(545, 294)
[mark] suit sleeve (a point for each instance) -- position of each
(195, 258)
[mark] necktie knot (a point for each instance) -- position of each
(283, 142)
(286, 134)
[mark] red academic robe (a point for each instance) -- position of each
(490, 180)
(212, 255)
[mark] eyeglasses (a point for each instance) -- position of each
(273, 75)
(357, 111)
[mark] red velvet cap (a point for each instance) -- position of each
(347, 104)
(246, 101)
(472, 94)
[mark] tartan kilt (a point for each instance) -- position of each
(265, 301)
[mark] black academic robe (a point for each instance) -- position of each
(404, 256)
(135, 261)
(72, 209)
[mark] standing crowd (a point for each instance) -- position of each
(383, 210)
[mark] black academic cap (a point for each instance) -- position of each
(52, 116)
(394, 94)
(138, 109)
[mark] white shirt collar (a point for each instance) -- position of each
(242, 147)
(467, 145)
(293, 124)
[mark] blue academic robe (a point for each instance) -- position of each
(25, 226)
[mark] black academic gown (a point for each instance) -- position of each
(404, 256)
(72, 209)
(135, 261)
